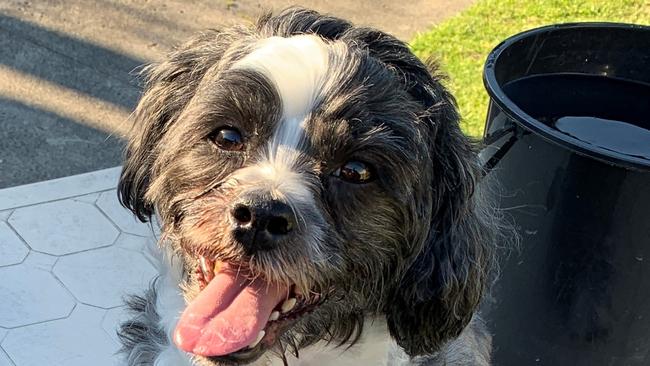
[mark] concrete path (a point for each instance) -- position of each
(69, 253)
(66, 81)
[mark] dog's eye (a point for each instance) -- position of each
(355, 172)
(229, 139)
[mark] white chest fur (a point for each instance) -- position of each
(372, 349)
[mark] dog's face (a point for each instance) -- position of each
(309, 174)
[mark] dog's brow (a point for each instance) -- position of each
(297, 66)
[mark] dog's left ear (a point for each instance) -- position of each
(437, 295)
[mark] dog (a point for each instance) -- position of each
(318, 203)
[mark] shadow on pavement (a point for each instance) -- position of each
(68, 61)
(38, 144)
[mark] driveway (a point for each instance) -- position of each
(66, 68)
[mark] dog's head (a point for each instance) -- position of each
(310, 173)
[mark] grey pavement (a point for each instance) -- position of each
(67, 68)
(69, 254)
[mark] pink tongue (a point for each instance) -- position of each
(227, 315)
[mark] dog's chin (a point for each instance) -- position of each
(292, 306)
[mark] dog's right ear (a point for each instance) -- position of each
(168, 88)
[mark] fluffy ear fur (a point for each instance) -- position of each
(438, 294)
(168, 88)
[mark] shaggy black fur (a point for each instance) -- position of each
(421, 252)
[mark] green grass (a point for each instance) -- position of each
(462, 43)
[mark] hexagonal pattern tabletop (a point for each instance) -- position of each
(69, 253)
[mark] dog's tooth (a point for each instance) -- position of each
(257, 341)
(274, 316)
(207, 268)
(203, 262)
(287, 305)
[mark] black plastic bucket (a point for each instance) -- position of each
(568, 140)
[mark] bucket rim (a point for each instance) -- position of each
(524, 120)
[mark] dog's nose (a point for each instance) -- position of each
(262, 225)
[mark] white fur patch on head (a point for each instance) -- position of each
(297, 66)
(300, 69)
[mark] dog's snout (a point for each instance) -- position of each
(262, 225)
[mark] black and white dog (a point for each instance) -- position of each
(317, 199)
